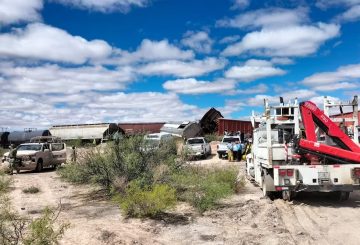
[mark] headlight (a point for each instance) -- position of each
(26, 158)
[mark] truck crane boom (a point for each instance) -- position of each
(345, 151)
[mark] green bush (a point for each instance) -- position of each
(42, 230)
(31, 190)
(125, 159)
(146, 202)
(203, 188)
(74, 173)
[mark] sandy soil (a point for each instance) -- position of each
(246, 218)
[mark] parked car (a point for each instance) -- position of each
(154, 141)
(36, 156)
(222, 148)
(198, 147)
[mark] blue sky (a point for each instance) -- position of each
(87, 61)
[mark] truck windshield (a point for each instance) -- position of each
(230, 140)
(29, 148)
(195, 141)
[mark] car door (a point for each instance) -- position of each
(58, 151)
(47, 156)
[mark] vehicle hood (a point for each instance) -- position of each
(25, 153)
(195, 146)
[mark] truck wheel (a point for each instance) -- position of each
(39, 166)
(266, 193)
(220, 155)
(342, 195)
(288, 195)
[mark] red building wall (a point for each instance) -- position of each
(231, 125)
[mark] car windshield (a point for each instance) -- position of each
(195, 141)
(29, 148)
(230, 140)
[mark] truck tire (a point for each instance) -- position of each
(265, 191)
(342, 195)
(288, 195)
(220, 155)
(39, 166)
(265, 182)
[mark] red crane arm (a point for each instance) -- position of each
(312, 116)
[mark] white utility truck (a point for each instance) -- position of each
(298, 148)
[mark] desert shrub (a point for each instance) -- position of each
(139, 201)
(203, 188)
(42, 230)
(31, 190)
(5, 182)
(127, 159)
(74, 173)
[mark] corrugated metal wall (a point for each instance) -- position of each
(135, 128)
(231, 125)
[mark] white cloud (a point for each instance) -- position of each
(199, 41)
(352, 14)
(240, 4)
(193, 86)
(336, 86)
(15, 11)
(330, 3)
(151, 51)
(252, 70)
(105, 5)
(349, 73)
(267, 18)
(22, 110)
(282, 61)
(229, 39)
(181, 68)
(300, 94)
(261, 88)
(297, 40)
(56, 79)
(345, 77)
(42, 42)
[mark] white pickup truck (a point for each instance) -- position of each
(36, 156)
(222, 148)
(198, 147)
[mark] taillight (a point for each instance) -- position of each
(290, 172)
(286, 172)
(282, 172)
(356, 172)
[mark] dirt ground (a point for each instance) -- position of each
(246, 218)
